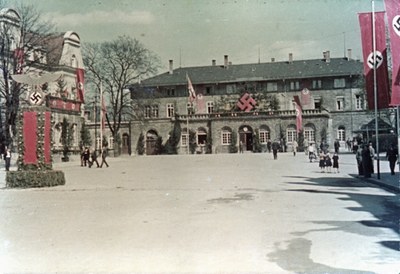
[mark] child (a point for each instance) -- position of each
(328, 162)
(335, 159)
(322, 161)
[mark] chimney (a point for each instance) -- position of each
(327, 56)
(226, 62)
(214, 63)
(349, 54)
(272, 60)
(171, 66)
(290, 57)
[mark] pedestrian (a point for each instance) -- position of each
(311, 153)
(336, 145)
(295, 146)
(94, 159)
(275, 147)
(86, 157)
(104, 154)
(7, 158)
(322, 161)
(392, 155)
(328, 162)
(372, 155)
(366, 161)
(359, 160)
(335, 159)
(269, 145)
(241, 146)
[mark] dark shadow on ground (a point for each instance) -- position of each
(296, 259)
(384, 208)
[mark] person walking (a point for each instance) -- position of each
(366, 162)
(372, 155)
(275, 147)
(322, 161)
(94, 159)
(86, 157)
(328, 162)
(336, 145)
(335, 159)
(104, 154)
(295, 146)
(392, 155)
(7, 158)
(359, 160)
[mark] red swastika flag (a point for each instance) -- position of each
(305, 97)
(246, 102)
(79, 83)
(192, 93)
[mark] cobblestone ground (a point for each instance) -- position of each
(202, 213)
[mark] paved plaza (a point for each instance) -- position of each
(231, 213)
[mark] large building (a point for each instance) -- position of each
(249, 104)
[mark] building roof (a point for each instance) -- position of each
(258, 72)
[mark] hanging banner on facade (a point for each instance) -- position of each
(393, 15)
(80, 80)
(377, 60)
(299, 114)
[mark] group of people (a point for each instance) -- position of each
(89, 158)
(365, 159)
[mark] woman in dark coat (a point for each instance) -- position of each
(366, 161)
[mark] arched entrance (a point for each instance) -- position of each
(125, 149)
(246, 137)
(151, 141)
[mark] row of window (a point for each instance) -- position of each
(264, 136)
(153, 110)
(270, 86)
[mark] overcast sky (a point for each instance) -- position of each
(194, 32)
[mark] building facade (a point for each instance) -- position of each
(248, 104)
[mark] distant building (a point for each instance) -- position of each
(252, 103)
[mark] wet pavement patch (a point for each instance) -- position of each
(236, 198)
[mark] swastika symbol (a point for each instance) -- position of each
(396, 24)
(246, 102)
(35, 98)
(375, 60)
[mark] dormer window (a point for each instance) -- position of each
(74, 62)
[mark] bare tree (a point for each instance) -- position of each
(117, 65)
(18, 39)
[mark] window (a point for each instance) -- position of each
(230, 89)
(291, 134)
(190, 108)
(171, 92)
(111, 142)
(317, 103)
(294, 85)
(341, 133)
(170, 110)
(340, 103)
(358, 102)
(210, 107)
(147, 111)
(208, 90)
(309, 134)
(184, 138)
(264, 136)
(272, 86)
(339, 83)
(154, 111)
(226, 137)
(201, 137)
(316, 84)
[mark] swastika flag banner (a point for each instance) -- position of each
(393, 15)
(377, 60)
(299, 114)
(80, 80)
(192, 93)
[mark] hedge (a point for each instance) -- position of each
(34, 178)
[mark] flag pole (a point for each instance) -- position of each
(101, 117)
(375, 88)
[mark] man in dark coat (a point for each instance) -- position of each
(391, 155)
(275, 147)
(366, 162)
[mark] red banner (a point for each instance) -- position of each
(80, 80)
(58, 103)
(377, 60)
(30, 137)
(393, 14)
(299, 113)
